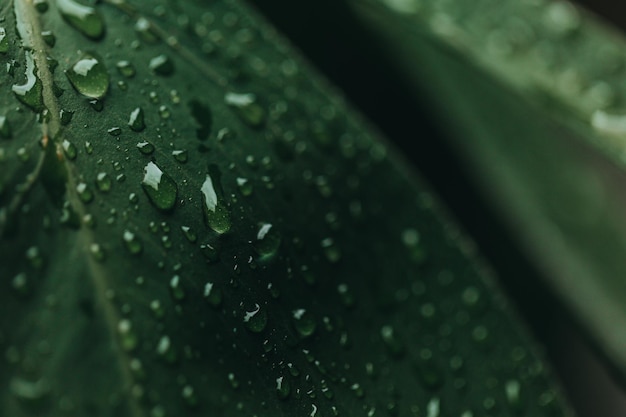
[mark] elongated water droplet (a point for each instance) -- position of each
(145, 147)
(128, 337)
(29, 93)
(255, 319)
(159, 187)
(216, 214)
(132, 242)
(69, 149)
(247, 108)
(89, 76)
(5, 128)
(180, 155)
(245, 186)
(267, 241)
(213, 294)
(283, 388)
(189, 233)
(304, 322)
(65, 117)
(162, 65)
(103, 182)
(126, 69)
(85, 19)
(176, 288)
(49, 38)
(4, 41)
(136, 120)
(84, 193)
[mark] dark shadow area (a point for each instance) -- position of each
(347, 54)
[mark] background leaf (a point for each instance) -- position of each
(192, 223)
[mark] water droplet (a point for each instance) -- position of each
(145, 147)
(159, 187)
(162, 65)
(82, 18)
(189, 396)
(391, 340)
(4, 41)
(132, 242)
(247, 108)
(126, 69)
(331, 250)
(30, 93)
(103, 182)
(164, 112)
(213, 294)
(65, 117)
(69, 149)
(180, 155)
(145, 31)
(245, 186)
(114, 131)
(304, 322)
(97, 252)
(176, 288)
(128, 338)
(283, 388)
(5, 128)
(84, 193)
(267, 241)
(89, 76)
(49, 38)
(165, 349)
(216, 213)
(136, 121)
(255, 319)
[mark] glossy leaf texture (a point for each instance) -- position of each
(536, 93)
(192, 223)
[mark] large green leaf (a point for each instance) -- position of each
(192, 223)
(532, 95)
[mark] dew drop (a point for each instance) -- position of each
(392, 342)
(180, 155)
(145, 147)
(159, 187)
(82, 18)
(89, 76)
(176, 288)
(267, 241)
(245, 186)
(128, 338)
(304, 322)
(41, 5)
(216, 214)
(247, 107)
(97, 252)
(212, 294)
(255, 319)
(126, 69)
(283, 388)
(65, 117)
(4, 41)
(103, 182)
(49, 38)
(189, 234)
(132, 242)
(5, 128)
(30, 93)
(136, 120)
(84, 193)
(162, 65)
(189, 396)
(69, 149)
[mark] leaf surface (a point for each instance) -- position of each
(193, 223)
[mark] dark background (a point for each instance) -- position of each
(347, 54)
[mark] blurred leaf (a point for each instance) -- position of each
(531, 94)
(192, 223)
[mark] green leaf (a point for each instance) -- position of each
(535, 93)
(193, 223)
